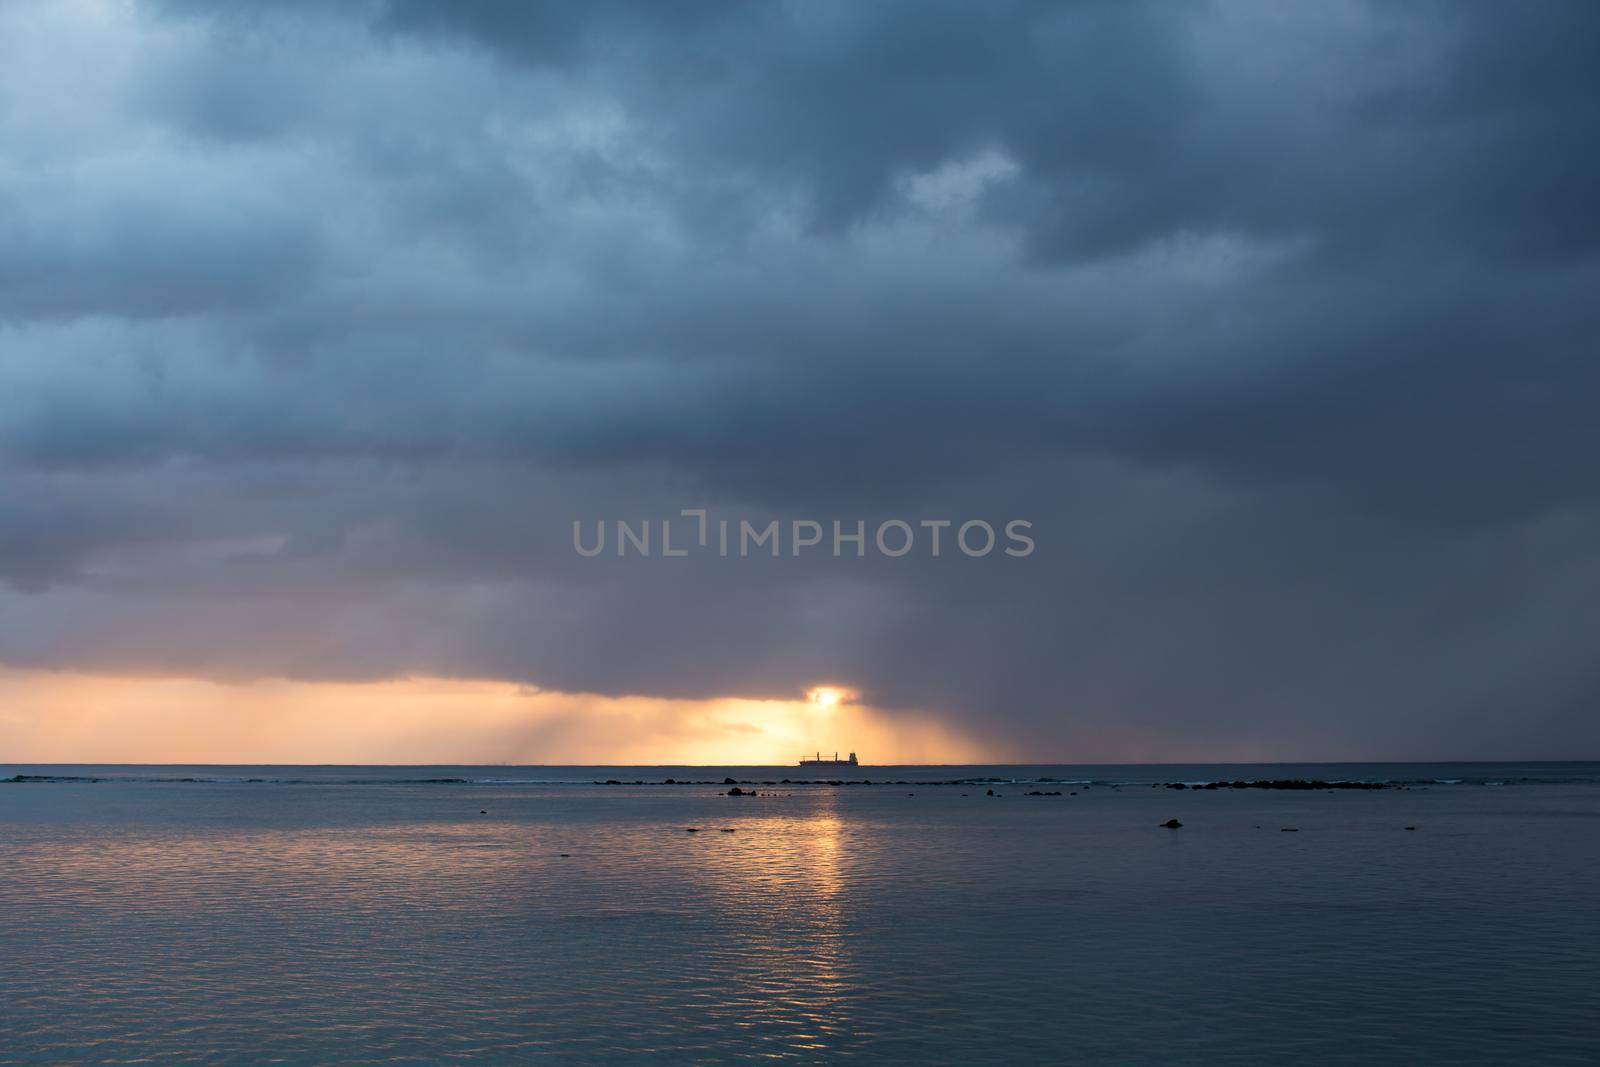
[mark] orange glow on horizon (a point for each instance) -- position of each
(59, 717)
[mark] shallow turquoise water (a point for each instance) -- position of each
(352, 918)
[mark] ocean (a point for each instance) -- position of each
(508, 914)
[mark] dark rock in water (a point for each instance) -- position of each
(1289, 829)
(1038, 793)
(735, 792)
(1411, 828)
(612, 781)
(566, 855)
(727, 829)
(482, 812)
(990, 793)
(730, 781)
(1282, 783)
(670, 781)
(1172, 824)
(691, 829)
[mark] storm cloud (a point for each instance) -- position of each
(321, 323)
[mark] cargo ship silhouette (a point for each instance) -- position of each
(834, 762)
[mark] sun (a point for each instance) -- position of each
(827, 696)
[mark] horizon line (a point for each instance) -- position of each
(788, 766)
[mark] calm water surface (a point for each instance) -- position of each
(364, 915)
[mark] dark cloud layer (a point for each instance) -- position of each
(319, 324)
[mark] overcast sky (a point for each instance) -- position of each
(321, 322)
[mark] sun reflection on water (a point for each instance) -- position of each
(791, 868)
